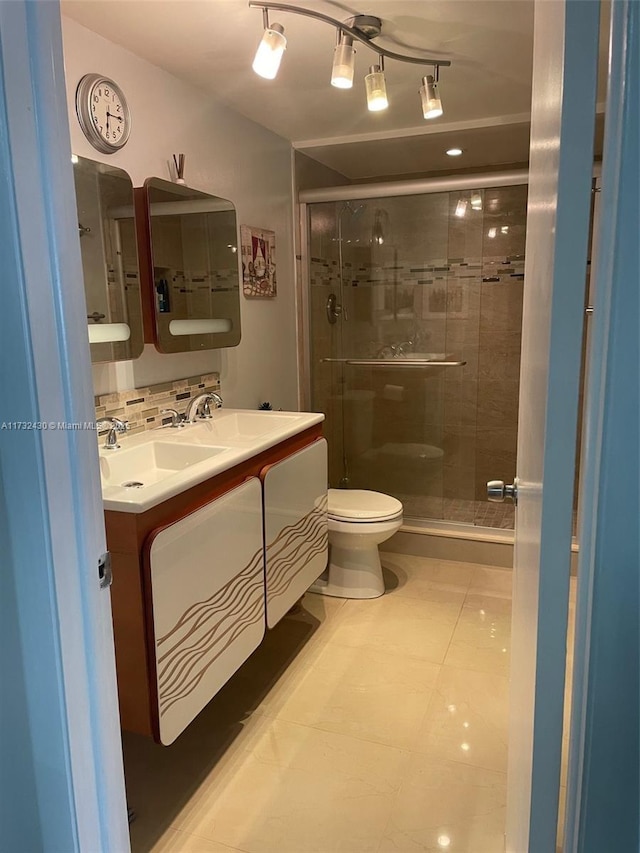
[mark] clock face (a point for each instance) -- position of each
(103, 113)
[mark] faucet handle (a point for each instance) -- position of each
(116, 424)
(177, 420)
(387, 350)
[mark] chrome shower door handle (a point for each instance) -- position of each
(333, 309)
(497, 491)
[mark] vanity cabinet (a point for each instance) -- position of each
(207, 591)
(191, 593)
(295, 524)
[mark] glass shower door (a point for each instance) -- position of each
(371, 316)
(435, 279)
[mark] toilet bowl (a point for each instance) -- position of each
(359, 521)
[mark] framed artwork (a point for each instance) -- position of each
(258, 261)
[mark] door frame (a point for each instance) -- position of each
(604, 757)
(56, 528)
(53, 526)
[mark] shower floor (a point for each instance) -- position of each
(478, 513)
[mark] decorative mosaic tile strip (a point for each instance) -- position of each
(142, 406)
(417, 272)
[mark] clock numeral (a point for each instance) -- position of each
(108, 137)
(118, 107)
(100, 128)
(106, 91)
(96, 119)
(95, 99)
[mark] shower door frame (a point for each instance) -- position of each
(390, 189)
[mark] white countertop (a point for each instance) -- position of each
(168, 461)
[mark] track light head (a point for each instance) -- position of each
(344, 62)
(431, 103)
(376, 87)
(377, 232)
(270, 50)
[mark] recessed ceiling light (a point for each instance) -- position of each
(454, 152)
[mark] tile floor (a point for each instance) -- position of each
(372, 726)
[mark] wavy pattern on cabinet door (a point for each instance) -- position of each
(296, 534)
(207, 575)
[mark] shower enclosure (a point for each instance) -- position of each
(415, 321)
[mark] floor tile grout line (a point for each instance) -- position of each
(209, 838)
(348, 735)
(454, 629)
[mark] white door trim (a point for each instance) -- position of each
(50, 477)
(602, 795)
(559, 205)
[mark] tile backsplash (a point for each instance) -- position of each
(142, 406)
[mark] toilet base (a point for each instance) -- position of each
(351, 573)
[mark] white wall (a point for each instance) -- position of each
(229, 156)
(311, 174)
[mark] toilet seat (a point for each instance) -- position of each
(357, 506)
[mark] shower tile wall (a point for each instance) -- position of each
(451, 287)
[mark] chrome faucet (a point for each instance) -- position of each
(200, 406)
(388, 350)
(114, 426)
(177, 420)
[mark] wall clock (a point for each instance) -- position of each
(103, 113)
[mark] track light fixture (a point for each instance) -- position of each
(461, 208)
(269, 54)
(431, 103)
(376, 87)
(378, 230)
(344, 62)
(360, 28)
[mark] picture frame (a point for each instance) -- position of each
(258, 250)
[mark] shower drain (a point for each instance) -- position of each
(133, 484)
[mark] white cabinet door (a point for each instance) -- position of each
(296, 534)
(207, 580)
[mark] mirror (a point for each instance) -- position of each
(193, 275)
(104, 200)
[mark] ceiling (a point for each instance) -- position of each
(486, 92)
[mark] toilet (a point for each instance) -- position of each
(359, 521)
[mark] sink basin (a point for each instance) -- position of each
(243, 426)
(153, 466)
(149, 463)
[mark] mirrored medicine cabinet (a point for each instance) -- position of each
(104, 199)
(191, 266)
(167, 274)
